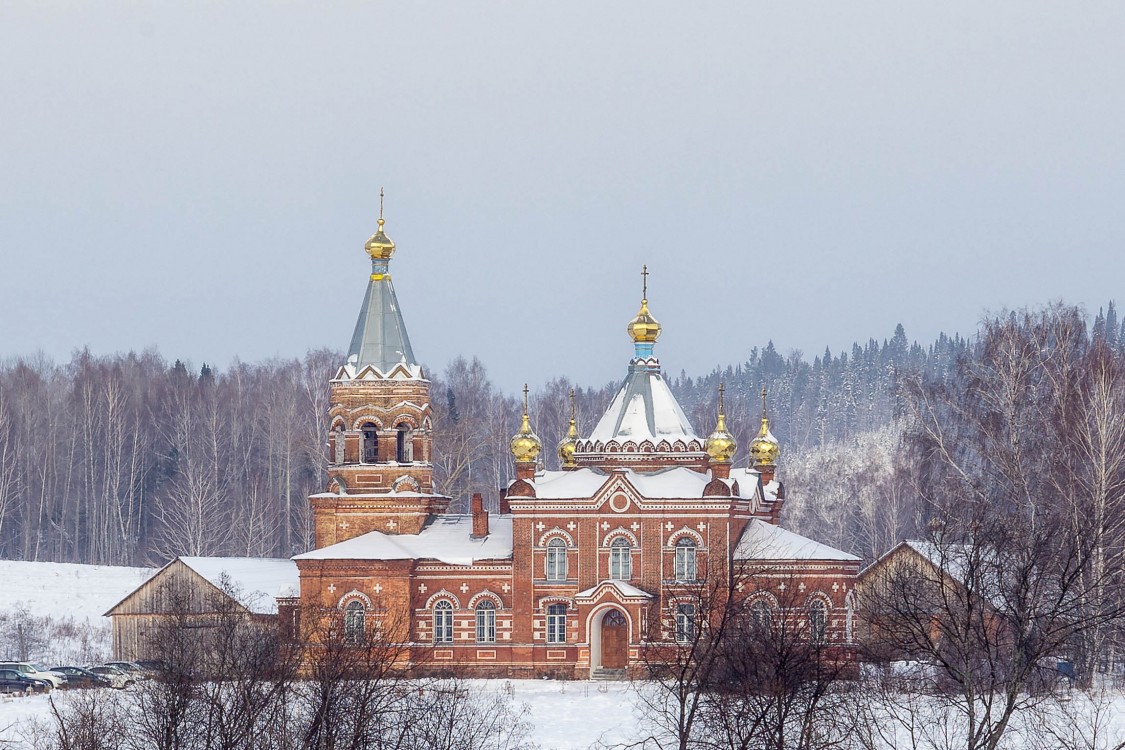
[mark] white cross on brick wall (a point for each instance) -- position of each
(702, 526)
(345, 525)
(635, 526)
(572, 526)
(391, 524)
(800, 587)
(605, 525)
(464, 588)
(422, 588)
(540, 526)
(669, 526)
(506, 588)
(331, 588)
(378, 588)
(836, 586)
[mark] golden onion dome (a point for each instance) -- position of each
(525, 444)
(569, 444)
(567, 447)
(644, 329)
(379, 246)
(764, 449)
(721, 445)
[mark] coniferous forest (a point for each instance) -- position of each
(132, 459)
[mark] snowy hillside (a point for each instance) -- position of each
(53, 611)
(64, 589)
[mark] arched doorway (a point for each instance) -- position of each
(615, 640)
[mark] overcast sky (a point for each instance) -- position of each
(202, 177)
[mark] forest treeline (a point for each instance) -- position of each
(132, 459)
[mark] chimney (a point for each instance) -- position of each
(505, 508)
(480, 517)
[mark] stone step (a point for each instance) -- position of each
(601, 673)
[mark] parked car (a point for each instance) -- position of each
(82, 678)
(13, 681)
(134, 670)
(30, 670)
(43, 668)
(116, 677)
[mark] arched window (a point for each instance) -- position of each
(556, 559)
(370, 454)
(818, 620)
(443, 622)
(404, 444)
(685, 623)
(761, 616)
(556, 623)
(354, 615)
(486, 621)
(620, 559)
(685, 559)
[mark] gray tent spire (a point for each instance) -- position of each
(380, 337)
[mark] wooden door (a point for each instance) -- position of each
(615, 640)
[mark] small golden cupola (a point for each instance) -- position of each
(525, 444)
(379, 246)
(721, 445)
(569, 444)
(765, 450)
(644, 329)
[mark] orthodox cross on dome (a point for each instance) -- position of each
(572, 405)
(525, 399)
(380, 202)
(763, 400)
(644, 281)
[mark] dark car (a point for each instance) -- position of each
(12, 681)
(84, 678)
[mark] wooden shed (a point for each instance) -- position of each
(196, 589)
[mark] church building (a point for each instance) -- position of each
(584, 570)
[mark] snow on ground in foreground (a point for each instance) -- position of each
(84, 592)
(565, 715)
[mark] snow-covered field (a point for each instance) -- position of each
(62, 589)
(52, 612)
(565, 715)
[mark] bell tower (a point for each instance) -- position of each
(380, 475)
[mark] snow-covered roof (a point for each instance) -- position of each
(765, 541)
(644, 409)
(445, 538)
(257, 581)
(626, 590)
(675, 482)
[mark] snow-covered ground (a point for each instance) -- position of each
(63, 589)
(565, 715)
(53, 611)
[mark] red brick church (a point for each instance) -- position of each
(583, 569)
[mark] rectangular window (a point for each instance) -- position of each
(556, 623)
(685, 623)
